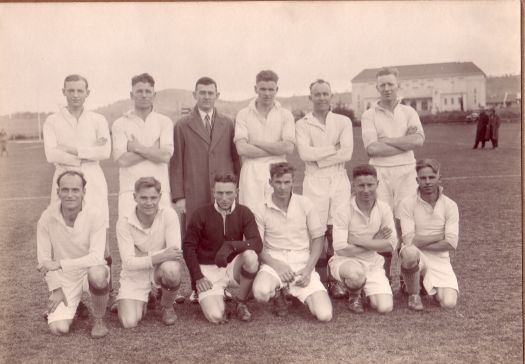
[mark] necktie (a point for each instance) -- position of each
(207, 124)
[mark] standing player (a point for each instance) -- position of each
(391, 131)
(3, 143)
(360, 231)
(430, 225)
(77, 139)
(293, 240)
(203, 142)
(71, 237)
(149, 245)
(142, 145)
(220, 250)
(325, 142)
(264, 134)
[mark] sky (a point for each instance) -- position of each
(179, 42)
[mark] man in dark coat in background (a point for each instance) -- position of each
(481, 130)
(493, 128)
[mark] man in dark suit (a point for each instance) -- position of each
(203, 147)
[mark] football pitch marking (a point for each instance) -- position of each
(114, 194)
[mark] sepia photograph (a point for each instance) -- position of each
(261, 182)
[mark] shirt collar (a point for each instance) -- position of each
(353, 203)
(133, 219)
(268, 202)
(203, 114)
(311, 119)
(222, 212)
(378, 106)
(440, 195)
(131, 114)
(56, 211)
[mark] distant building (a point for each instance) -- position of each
(428, 88)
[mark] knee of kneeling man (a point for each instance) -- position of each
(385, 308)
(128, 323)
(215, 317)
(355, 278)
(260, 295)
(59, 329)
(448, 303)
(324, 315)
(250, 257)
(98, 278)
(409, 257)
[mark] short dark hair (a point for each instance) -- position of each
(266, 75)
(280, 169)
(76, 77)
(428, 162)
(384, 71)
(206, 81)
(144, 77)
(147, 182)
(364, 170)
(72, 173)
(225, 177)
(320, 81)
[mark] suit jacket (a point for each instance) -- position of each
(197, 158)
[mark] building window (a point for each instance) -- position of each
(445, 101)
(424, 105)
(413, 104)
(451, 101)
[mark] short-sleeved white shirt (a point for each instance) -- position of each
(291, 229)
(136, 244)
(418, 217)
(378, 122)
(316, 143)
(156, 127)
(354, 222)
(278, 125)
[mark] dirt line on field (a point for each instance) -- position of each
(492, 176)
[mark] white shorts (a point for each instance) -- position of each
(328, 194)
(376, 280)
(136, 284)
(220, 277)
(126, 202)
(396, 183)
(437, 272)
(73, 284)
(297, 259)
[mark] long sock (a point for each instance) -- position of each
(168, 297)
(245, 284)
(99, 298)
(411, 277)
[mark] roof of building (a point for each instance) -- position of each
(425, 70)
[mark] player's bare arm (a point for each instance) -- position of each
(316, 248)
(379, 243)
(284, 271)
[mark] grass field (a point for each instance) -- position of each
(486, 326)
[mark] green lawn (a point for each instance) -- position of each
(486, 326)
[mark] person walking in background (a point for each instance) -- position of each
(494, 123)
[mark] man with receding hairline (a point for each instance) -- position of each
(264, 134)
(71, 237)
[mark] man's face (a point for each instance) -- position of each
(266, 91)
(365, 188)
(205, 95)
(143, 94)
(387, 85)
(321, 96)
(71, 192)
(76, 93)
(428, 180)
(282, 185)
(224, 194)
(147, 200)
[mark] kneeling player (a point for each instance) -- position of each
(287, 223)
(360, 233)
(71, 237)
(220, 249)
(149, 245)
(430, 225)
